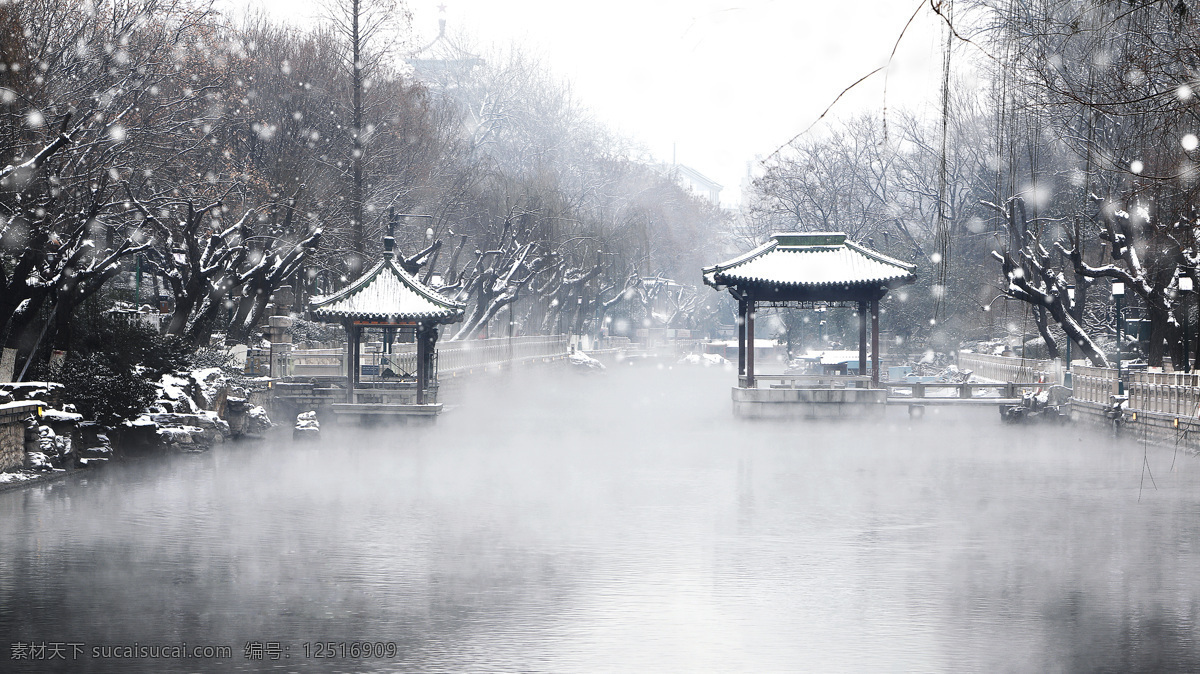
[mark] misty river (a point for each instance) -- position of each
(620, 521)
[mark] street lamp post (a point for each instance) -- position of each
(1118, 291)
(1070, 306)
(1185, 287)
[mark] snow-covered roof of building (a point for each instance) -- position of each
(810, 259)
(387, 293)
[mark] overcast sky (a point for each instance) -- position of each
(713, 82)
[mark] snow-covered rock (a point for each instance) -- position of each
(257, 421)
(209, 383)
(174, 395)
(21, 475)
(246, 419)
(61, 416)
(705, 359)
(57, 449)
(583, 361)
(29, 390)
(307, 426)
(94, 443)
(39, 461)
(198, 430)
(186, 392)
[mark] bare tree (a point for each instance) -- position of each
(368, 28)
(96, 96)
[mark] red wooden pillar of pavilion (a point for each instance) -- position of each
(353, 351)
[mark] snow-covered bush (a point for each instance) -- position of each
(102, 390)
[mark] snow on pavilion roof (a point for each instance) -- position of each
(810, 259)
(387, 293)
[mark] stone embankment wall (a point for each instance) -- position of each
(13, 440)
(1168, 430)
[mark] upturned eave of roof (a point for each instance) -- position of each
(912, 268)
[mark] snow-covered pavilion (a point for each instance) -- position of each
(798, 269)
(389, 299)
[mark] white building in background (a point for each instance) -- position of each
(695, 181)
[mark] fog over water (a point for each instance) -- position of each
(554, 521)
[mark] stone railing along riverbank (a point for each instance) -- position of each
(453, 358)
(1009, 369)
(1163, 406)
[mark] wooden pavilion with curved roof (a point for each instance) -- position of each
(388, 299)
(799, 269)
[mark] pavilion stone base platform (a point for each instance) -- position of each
(376, 413)
(809, 403)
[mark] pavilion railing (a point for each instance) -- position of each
(452, 357)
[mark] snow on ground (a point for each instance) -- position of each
(22, 475)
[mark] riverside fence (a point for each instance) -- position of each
(1162, 406)
(452, 357)
(1009, 369)
(1175, 393)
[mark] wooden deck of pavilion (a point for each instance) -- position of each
(809, 269)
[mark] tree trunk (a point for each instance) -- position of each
(1161, 330)
(358, 235)
(1039, 319)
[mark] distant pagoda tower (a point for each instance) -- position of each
(437, 63)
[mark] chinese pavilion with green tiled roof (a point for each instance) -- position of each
(389, 299)
(808, 269)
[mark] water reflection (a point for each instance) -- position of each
(625, 522)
